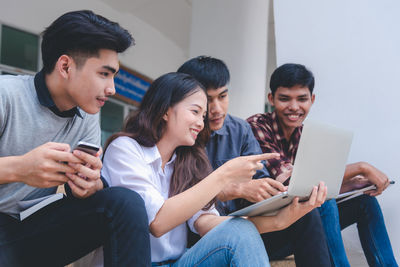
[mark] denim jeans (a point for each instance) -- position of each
(305, 239)
(235, 242)
(366, 213)
(70, 228)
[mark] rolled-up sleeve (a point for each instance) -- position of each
(194, 218)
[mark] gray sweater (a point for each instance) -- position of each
(25, 124)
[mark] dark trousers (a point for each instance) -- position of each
(305, 239)
(66, 230)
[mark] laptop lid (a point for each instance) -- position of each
(321, 156)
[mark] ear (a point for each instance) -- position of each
(165, 117)
(63, 66)
(271, 99)
(312, 99)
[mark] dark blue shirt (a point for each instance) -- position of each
(234, 139)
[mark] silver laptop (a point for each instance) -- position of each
(321, 156)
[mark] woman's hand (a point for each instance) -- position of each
(243, 168)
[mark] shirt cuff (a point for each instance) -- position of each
(194, 218)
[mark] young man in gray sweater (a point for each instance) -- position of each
(42, 118)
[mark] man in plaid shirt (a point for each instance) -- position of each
(292, 97)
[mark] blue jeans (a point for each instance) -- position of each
(366, 213)
(68, 229)
(234, 242)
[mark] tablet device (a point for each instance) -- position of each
(355, 193)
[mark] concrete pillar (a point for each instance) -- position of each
(236, 32)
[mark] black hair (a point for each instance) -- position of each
(211, 72)
(147, 126)
(289, 75)
(81, 34)
(165, 92)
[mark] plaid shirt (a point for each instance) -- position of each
(270, 136)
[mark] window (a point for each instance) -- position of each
(112, 117)
(19, 49)
(130, 87)
(20, 54)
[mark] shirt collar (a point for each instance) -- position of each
(151, 154)
(45, 98)
(223, 130)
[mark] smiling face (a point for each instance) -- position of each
(89, 85)
(291, 106)
(218, 102)
(185, 120)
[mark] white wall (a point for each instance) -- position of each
(236, 32)
(152, 55)
(353, 49)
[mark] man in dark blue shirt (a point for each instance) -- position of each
(232, 137)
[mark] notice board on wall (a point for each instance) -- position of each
(130, 86)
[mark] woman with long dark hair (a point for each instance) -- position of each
(160, 155)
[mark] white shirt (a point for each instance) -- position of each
(128, 164)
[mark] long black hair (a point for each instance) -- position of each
(147, 126)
